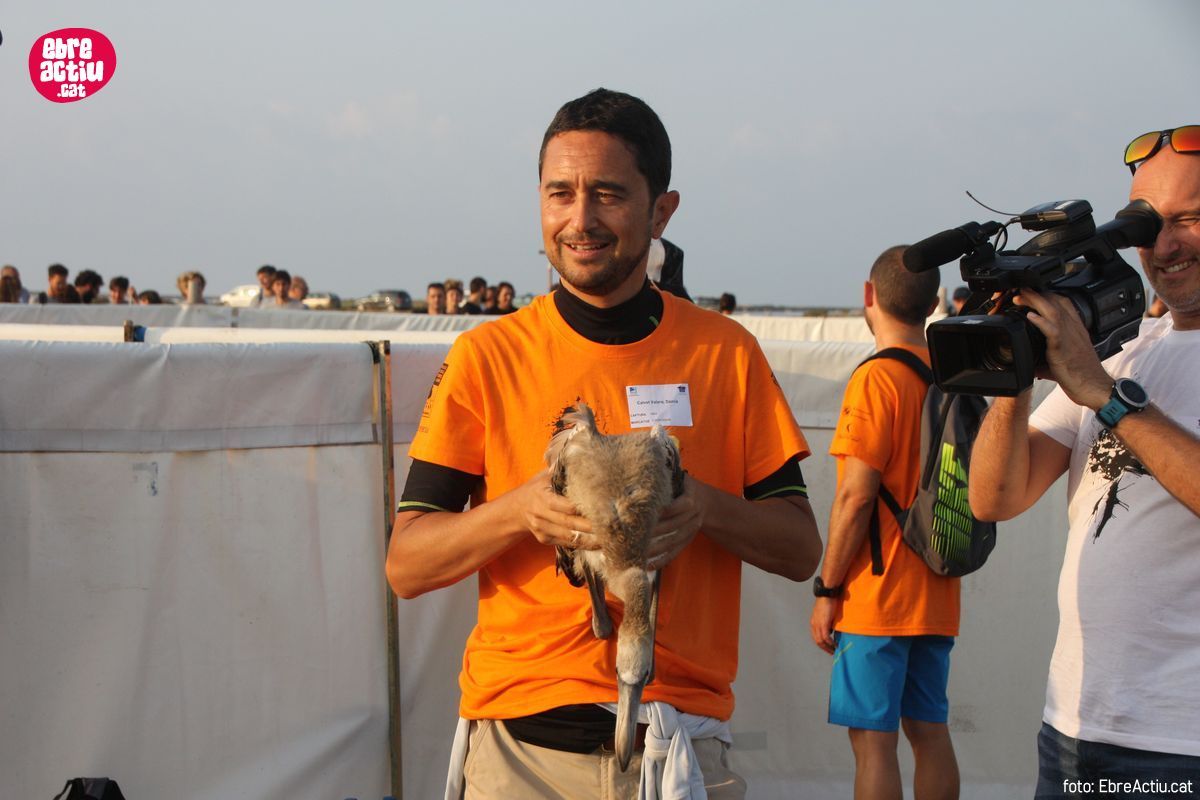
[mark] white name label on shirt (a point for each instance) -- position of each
(663, 404)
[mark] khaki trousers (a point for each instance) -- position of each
(501, 768)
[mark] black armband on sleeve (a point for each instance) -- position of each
(432, 487)
(787, 481)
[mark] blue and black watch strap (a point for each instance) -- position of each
(1127, 397)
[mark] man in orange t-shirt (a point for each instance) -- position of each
(890, 633)
(533, 672)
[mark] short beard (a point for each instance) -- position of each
(598, 282)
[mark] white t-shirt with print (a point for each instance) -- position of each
(1126, 666)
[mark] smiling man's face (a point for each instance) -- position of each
(1170, 182)
(598, 216)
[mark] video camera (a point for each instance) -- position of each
(992, 349)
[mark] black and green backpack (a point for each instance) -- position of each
(939, 524)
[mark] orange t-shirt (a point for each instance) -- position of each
(880, 425)
(492, 411)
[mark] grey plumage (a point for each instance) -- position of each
(620, 484)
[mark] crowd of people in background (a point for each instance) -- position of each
(278, 289)
(88, 288)
(447, 297)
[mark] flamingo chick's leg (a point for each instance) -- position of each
(601, 623)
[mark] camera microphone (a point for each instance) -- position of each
(1136, 225)
(944, 247)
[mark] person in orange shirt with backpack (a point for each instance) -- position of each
(885, 616)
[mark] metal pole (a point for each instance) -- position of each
(382, 354)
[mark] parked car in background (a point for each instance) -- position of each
(386, 300)
(241, 296)
(322, 301)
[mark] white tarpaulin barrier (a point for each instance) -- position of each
(214, 316)
(129, 397)
(807, 329)
(103, 333)
(194, 620)
(788, 328)
(413, 366)
(209, 624)
(28, 332)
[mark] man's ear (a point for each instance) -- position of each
(664, 207)
(868, 294)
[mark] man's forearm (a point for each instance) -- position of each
(778, 535)
(1000, 459)
(849, 524)
(1168, 451)
(430, 550)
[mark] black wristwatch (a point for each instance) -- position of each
(1127, 397)
(821, 590)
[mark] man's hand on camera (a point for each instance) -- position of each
(1070, 356)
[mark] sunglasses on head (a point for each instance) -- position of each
(1183, 140)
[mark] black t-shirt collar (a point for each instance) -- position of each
(629, 322)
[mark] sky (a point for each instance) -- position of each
(369, 145)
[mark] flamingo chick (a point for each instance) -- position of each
(620, 484)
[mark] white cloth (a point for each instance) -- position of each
(668, 761)
(669, 767)
(656, 257)
(1125, 665)
(455, 778)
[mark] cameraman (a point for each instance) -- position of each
(1123, 694)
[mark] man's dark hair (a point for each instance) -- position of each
(151, 297)
(281, 275)
(902, 294)
(56, 269)
(630, 120)
(89, 278)
(727, 302)
(267, 268)
(119, 282)
(478, 284)
(435, 285)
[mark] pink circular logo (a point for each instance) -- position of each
(71, 64)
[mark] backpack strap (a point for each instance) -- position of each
(901, 515)
(907, 357)
(913, 362)
(876, 542)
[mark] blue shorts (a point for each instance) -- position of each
(879, 679)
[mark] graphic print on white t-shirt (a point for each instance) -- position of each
(1109, 460)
